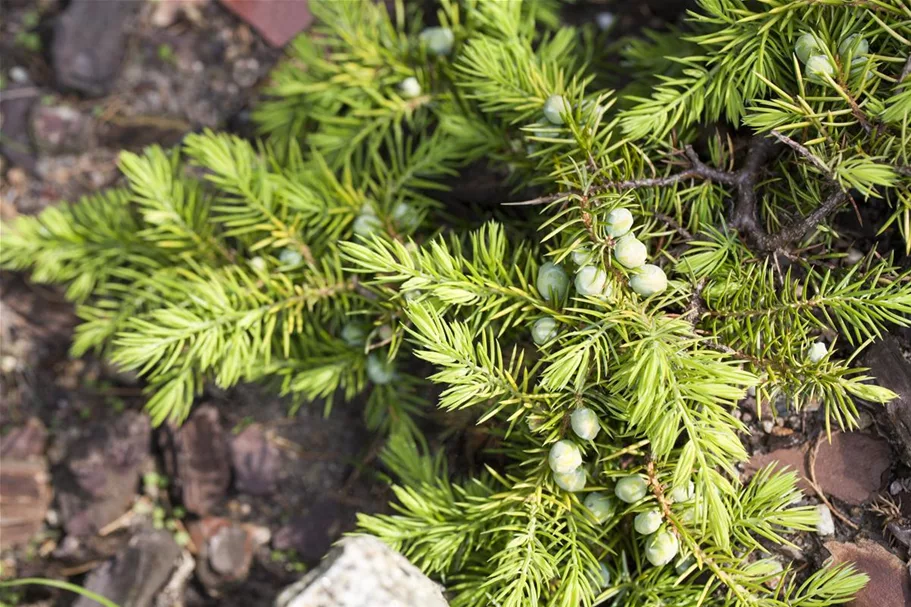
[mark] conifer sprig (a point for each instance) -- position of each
(684, 255)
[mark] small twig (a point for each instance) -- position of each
(79, 569)
(534, 201)
(672, 223)
(803, 151)
(634, 448)
(172, 594)
(706, 172)
(380, 344)
(798, 229)
(697, 169)
(696, 307)
(124, 520)
(858, 113)
(906, 71)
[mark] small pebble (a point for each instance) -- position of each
(767, 426)
(853, 256)
(864, 420)
(8, 364)
(825, 525)
(605, 20)
(18, 74)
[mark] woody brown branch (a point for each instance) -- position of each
(744, 216)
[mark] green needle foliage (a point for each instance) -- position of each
(334, 260)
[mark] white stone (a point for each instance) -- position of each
(363, 572)
(826, 524)
(18, 74)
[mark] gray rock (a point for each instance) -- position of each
(15, 105)
(90, 42)
(892, 370)
(60, 129)
(363, 572)
(228, 553)
(134, 577)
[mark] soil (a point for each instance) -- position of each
(250, 495)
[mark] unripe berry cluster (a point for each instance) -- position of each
(565, 458)
(818, 65)
(661, 545)
(367, 222)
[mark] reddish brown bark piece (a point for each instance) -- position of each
(890, 582)
(257, 462)
(278, 21)
(851, 467)
(225, 549)
(25, 495)
(203, 461)
(794, 458)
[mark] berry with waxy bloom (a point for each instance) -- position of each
(683, 494)
(585, 423)
(818, 67)
(582, 256)
(817, 352)
(603, 577)
(544, 330)
(661, 548)
(647, 522)
(571, 481)
(619, 222)
(631, 488)
(380, 370)
(552, 283)
(600, 505)
(354, 334)
(439, 40)
(410, 87)
(591, 280)
(564, 457)
(807, 46)
(290, 257)
(366, 224)
(649, 280)
(855, 44)
(554, 108)
(630, 252)
(405, 215)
